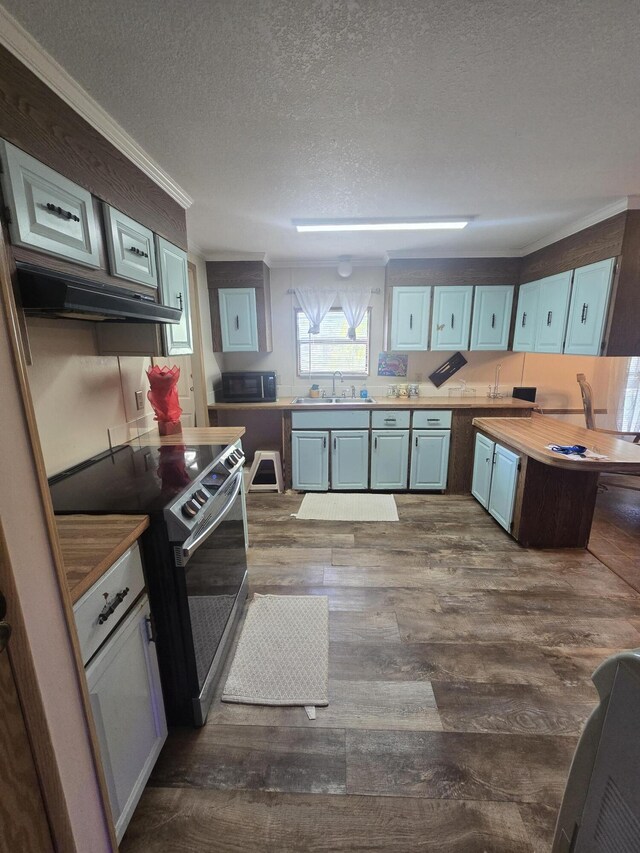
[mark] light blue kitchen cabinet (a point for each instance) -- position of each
(524, 333)
(504, 478)
(174, 289)
(482, 466)
(350, 459)
(588, 308)
(389, 458)
(553, 307)
(310, 460)
(238, 319)
(410, 318)
(451, 318)
(429, 458)
(491, 317)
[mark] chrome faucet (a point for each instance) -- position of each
(353, 392)
(333, 380)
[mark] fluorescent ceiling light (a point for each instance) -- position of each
(424, 224)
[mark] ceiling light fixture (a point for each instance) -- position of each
(406, 224)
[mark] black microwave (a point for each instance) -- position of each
(247, 386)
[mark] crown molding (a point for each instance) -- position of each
(21, 44)
(618, 206)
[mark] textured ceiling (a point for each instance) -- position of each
(524, 113)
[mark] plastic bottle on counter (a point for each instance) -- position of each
(363, 391)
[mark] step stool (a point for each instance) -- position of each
(260, 457)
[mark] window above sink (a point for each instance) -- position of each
(331, 350)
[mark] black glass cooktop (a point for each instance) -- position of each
(131, 479)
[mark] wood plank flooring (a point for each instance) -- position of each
(459, 675)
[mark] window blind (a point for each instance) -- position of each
(331, 349)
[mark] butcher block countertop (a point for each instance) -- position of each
(90, 544)
(531, 435)
(192, 435)
(389, 403)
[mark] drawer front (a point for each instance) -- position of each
(131, 248)
(48, 212)
(435, 419)
(397, 419)
(330, 420)
(125, 572)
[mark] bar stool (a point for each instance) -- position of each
(260, 457)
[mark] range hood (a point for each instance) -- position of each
(47, 293)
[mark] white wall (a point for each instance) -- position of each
(554, 376)
(212, 361)
(33, 568)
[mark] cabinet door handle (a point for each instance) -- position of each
(66, 214)
(237, 322)
(335, 443)
(549, 316)
(375, 443)
(138, 252)
(452, 319)
(148, 624)
(389, 420)
(416, 441)
(585, 311)
(493, 321)
(411, 321)
(524, 319)
(179, 298)
(109, 609)
(324, 442)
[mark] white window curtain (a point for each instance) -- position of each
(315, 304)
(628, 411)
(354, 305)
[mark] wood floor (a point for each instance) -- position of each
(459, 681)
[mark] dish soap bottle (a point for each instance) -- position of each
(363, 391)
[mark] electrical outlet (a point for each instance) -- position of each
(139, 400)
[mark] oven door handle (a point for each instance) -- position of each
(190, 545)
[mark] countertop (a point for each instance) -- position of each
(478, 402)
(531, 435)
(90, 544)
(193, 435)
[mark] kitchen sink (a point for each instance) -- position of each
(323, 401)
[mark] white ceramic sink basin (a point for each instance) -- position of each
(323, 401)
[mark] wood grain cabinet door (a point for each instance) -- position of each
(524, 334)
(553, 308)
(410, 318)
(491, 317)
(451, 318)
(174, 288)
(588, 310)
(238, 319)
(47, 211)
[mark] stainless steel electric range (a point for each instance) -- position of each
(194, 552)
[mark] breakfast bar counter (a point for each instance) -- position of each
(553, 497)
(532, 435)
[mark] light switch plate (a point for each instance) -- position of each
(139, 400)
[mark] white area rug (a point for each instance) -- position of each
(283, 653)
(349, 506)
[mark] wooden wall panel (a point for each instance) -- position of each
(623, 336)
(38, 121)
(596, 243)
(432, 271)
